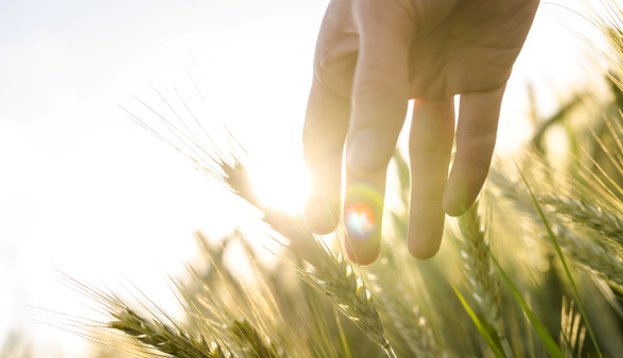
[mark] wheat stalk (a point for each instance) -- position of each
(162, 337)
(331, 275)
(154, 333)
(482, 277)
(596, 256)
(595, 217)
(405, 317)
(256, 319)
(255, 345)
(572, 331)
(590, 251)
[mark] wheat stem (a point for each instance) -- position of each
(330, 275)
(481, 273)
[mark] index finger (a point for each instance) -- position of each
(379, 106)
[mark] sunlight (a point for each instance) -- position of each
(283, 186)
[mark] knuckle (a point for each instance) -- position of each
(428, 158)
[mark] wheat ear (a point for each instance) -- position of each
(412, 327)
(591, 251)
(153, 333)
(594, 255)
(481, 273)
(330, 275)
(254, 344)
(595, 217)
(161, 337)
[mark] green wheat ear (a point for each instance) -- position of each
(561, 256)
(497, 351)
(481, 274)
(162, 337)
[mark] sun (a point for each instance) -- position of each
(283, 186)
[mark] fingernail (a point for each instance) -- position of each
(363, 151)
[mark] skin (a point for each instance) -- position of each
(372, 56)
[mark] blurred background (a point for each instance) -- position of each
(85, 191)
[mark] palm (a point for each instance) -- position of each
(470, 46)
(472, 50)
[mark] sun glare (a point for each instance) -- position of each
(281, 186)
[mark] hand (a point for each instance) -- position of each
(372, 56)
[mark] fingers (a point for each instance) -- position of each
(475, 140)
(324, 133)
(379, 104)
(430, 147)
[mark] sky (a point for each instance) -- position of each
(85, 191)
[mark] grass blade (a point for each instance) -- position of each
(549, 343)
(494, 347)
(576, 292)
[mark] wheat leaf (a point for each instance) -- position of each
(494, 347)
(576, 292)
(548, 341)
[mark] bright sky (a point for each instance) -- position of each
(83, 189)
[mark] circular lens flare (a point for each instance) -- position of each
(360, 220)
(363, 213)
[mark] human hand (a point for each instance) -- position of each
(372, 56)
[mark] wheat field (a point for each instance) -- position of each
(533, 269)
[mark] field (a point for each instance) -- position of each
(534, 269)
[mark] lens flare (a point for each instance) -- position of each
(363, 212)
(359, 220)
